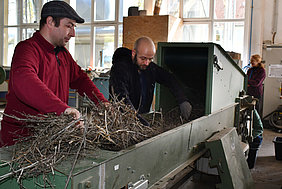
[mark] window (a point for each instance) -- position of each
(170, 7)
(21, 19)
(104, 46)
(95, 40)
(219, 21)
(196, 8)
(196, 32)
(81, 48)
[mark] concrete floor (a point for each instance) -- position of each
(267, 173)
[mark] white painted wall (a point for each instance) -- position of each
(262, 33)
(257, 21)
(269, 9)
(263, 24)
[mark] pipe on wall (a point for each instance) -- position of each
(251, 30)
(274, 20)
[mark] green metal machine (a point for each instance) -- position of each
(210, 78)
(207, 73)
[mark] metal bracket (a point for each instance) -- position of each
(86, 183)
(140, 184)
(216, 63)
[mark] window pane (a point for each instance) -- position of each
(28, 32)
(82, 46)
(120, 34)
(83, 8)
(170, 7)
(230, 35)
(104, 46)
(125, 4)
(196, 8)
(229, 9)
(43, 2)
(9, 44)
(105, 10)
(196, 32)
(12, 12)
(31, 10)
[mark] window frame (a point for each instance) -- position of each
(92, 24)
(2, 32)
(211, 20)
(116, 23)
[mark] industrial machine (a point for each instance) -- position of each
(212, 80)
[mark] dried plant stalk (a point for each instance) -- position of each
(56, 137)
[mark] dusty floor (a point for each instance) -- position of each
(268, 171)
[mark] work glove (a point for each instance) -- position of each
(185, 109)
(143, 121)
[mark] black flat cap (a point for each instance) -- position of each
(60, 9)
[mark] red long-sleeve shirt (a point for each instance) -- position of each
(39, 84)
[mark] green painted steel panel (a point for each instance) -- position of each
(211, 85)
(228, 156)
(58, 180)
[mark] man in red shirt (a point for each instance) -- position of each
(42, 72)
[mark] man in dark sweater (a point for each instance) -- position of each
(133, 77)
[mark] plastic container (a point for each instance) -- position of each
(278, 147)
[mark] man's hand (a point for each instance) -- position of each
(107, 104)
(185, 108)
(76, 115)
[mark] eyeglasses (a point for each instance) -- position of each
(144, 58)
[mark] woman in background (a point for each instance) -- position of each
(256, 76)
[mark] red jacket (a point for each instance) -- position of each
(39, 84)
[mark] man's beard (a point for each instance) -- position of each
(139, 67)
